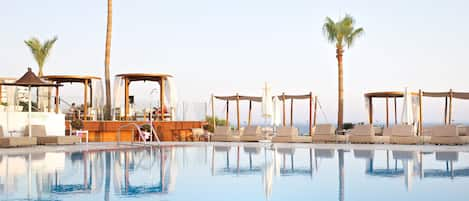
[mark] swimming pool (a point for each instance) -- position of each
(226, 171)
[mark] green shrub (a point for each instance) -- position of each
(218, 122)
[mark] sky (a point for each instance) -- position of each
(225, 47)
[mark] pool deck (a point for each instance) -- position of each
(110, 146)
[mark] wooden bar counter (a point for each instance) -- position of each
(106, 131)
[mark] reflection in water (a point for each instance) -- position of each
(152, 172)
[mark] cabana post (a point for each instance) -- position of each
(237, 110)
(310, 112)
(387, 112)
(291, 112)
(213, 113)
(315, 109)
(227, 113)
(450, 106)
(420, 113)
(284, 110)
(250, 113)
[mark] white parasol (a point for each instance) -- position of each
(267, 103)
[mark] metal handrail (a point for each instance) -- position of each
(153, 132)
(140, 134)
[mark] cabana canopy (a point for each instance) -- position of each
(449, 95)
(85, 79)
(154, 77)
(283, 98)
(384, 94)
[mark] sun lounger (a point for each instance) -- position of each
(365, 134)
(224, 134)
(252, 134)
(16, 141)
(39, 131)
(405, 134)
(447, 135)
(324, 133)
(290, 134)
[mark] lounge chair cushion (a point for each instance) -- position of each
(368, 139)
(324, 129)
(58, 140)
(363, 130)
(402, 130)
(17, 141)
(387, 132)
(287, 131)
(444, 131)
(222, 130)
(37, 131)
(252, 131)
(292, 139)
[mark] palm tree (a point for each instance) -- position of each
(40, 51)
(107, 57)
(342, 33)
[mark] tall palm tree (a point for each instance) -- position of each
(40, 51)
(343, 34)
(107, 58)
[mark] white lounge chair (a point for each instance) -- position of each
(39, 131)
(324, 133)
(405, 134)
(16, 141)
(365, 134)
(224, 134)
(252, 134)
(447, 135)
(290, 134)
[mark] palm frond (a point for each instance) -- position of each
(342, 31)
(40, 51)
(356, 33)
(329, 30)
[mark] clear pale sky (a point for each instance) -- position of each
(224, 47)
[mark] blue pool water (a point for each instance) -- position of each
(237, 172)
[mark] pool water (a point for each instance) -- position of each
(237, 172)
